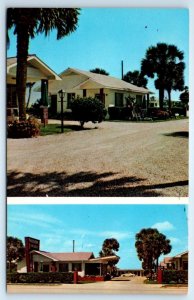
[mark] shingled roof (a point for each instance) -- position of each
(105, 81)
(66, 256)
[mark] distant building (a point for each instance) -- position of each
(177, 262)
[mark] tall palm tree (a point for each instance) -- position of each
(150, 244)
(161, 61)
(27, 23)
(108, 248)
(136, 78)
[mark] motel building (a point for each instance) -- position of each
(42, 261)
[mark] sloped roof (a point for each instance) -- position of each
(181, 254)
(106, 81)
(37, 62)
(66, 256)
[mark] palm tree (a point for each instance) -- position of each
(150, 244)
(136, 78)
(29, 85)
(164, 61)
(108, 248)
(184, 97)
(27, 23)
(99, 71)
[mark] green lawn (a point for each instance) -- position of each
(53, 129)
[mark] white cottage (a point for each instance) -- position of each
(110, 90)
(37, 70)
(83, 262)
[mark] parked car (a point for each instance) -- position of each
(128, 275)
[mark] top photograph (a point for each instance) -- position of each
(97, 102)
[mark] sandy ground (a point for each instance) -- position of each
(114, 159)
(134, 286)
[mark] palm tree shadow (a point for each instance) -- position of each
(82, 184)
(181, 134)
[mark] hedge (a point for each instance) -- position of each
(174, 276)
(47, 277)
(24, 129)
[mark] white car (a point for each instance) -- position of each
(128, 275)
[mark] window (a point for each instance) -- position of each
(76, 267)
(70, 97)
(53, 107)
(63, 267)
(118, 99)
(139, 100)
(98, 96)
(11, 95)
(45, 268)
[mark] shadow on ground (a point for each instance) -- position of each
(81, 184)
(181, 134)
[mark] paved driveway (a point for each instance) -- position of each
(117, 159)
(134, 286)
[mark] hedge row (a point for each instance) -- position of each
(174, 276)
(40, 277)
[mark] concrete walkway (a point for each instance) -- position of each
(134, 286)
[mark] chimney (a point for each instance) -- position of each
(122, 69)
(73, 245)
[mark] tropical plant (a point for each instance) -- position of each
(27, 23)
(15, 251)
(136, 78)
(99, 71)
(109, 247)
(184, 97)
(29, 85)
(87, 109)
(166, 63)
(150, 244)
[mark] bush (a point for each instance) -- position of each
(174, 276)
(178, 110)
(119, 113)
(40, 277)
(157, 113)
(24, 129)
(88, 109)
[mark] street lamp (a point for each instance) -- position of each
(61, 95)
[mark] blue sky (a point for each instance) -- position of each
(57, 225)
(106, 36)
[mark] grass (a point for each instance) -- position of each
(50, 129)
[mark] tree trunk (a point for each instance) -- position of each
(161, 97)
(21, 75)
(169, 99)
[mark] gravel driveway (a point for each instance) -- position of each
(115, 159)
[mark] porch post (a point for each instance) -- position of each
(102, 95)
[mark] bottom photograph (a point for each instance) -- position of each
(97, 249)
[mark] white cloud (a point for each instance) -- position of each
(166, 226)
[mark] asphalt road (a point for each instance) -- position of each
(116, 159)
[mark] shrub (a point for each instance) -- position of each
(24, 129)
(157, 113)
(40, 277)
(119, 113)
(174, 276)
(88, 109)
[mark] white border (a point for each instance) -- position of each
(96, 200)
(96, 3)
